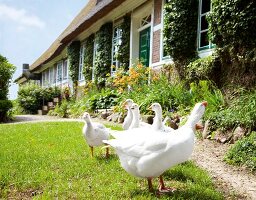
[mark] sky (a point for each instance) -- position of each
(29, 27)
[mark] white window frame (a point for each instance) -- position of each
(210, 45)
(116, 42)
(81, 63)
(163, 57)
(59, 76)
(51, 76)
(95, 48)
(65, 65)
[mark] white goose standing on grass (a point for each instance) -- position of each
(149, 157)
(128, 119)
(136, 122)
(94, 133)
(158, 124)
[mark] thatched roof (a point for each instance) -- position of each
(93, 11)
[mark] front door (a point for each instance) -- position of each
(144, 46)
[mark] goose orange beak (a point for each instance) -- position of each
(199, 127)
(205, 103)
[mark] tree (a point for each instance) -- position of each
(6, 72)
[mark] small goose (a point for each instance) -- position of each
(128, 119)
(94, 133)
(136, 122)
(158, 124)
(149, 155)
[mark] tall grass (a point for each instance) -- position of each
(51, 160)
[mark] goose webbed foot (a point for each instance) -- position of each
(162, 189)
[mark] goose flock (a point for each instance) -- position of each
(145, 150)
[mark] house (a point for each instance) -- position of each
(145, 38)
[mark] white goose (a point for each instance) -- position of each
(94, 133)
(158, 124)
(151, 156)
(136, 122)
(128, 119)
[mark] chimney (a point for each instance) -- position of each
(25, 68)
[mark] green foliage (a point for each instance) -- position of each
(102, 62)
(32, 97)
(180, 31)
(51, 159)
(88, 57)
(60, 110)
(232, 23)
(239, 112)
(172, 97)
(124, 49)
(243, 152)
(73, 51)
(103, 100)
(5, 106)
(203, 69)
(206, 91)
(6, 72)
(232, 28)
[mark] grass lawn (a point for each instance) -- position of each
(50, 160)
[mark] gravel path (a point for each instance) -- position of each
(207, 155)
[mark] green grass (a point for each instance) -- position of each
(50, 160)
(243, 152)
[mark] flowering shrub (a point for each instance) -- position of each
(137, 76)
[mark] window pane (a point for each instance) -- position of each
(65, 70)
(206, 6)
(204, 23)
(204, 39)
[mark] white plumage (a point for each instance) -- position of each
(94, 133)
(136, 122)
(149, 154)
(128, 119)
(158, 124)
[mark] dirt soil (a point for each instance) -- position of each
(234, 182)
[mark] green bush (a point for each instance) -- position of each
(239, 112)
(60, 110)
(5, 106)
(103, 100)
(202, 69)
(243, 152)
(6, 72)
(32, 97)
(206, 91)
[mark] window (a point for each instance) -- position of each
(59, 71)
(65, 70)
(203, 41)
(95, 49)
(164, 51)
(81, 63)
(116, 42)
(45, 77)
(52, 76)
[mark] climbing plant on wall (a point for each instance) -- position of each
(73, 51)
(88, 58)
(232, 28)
(180, 32)
(124, 50)
(102, 62)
